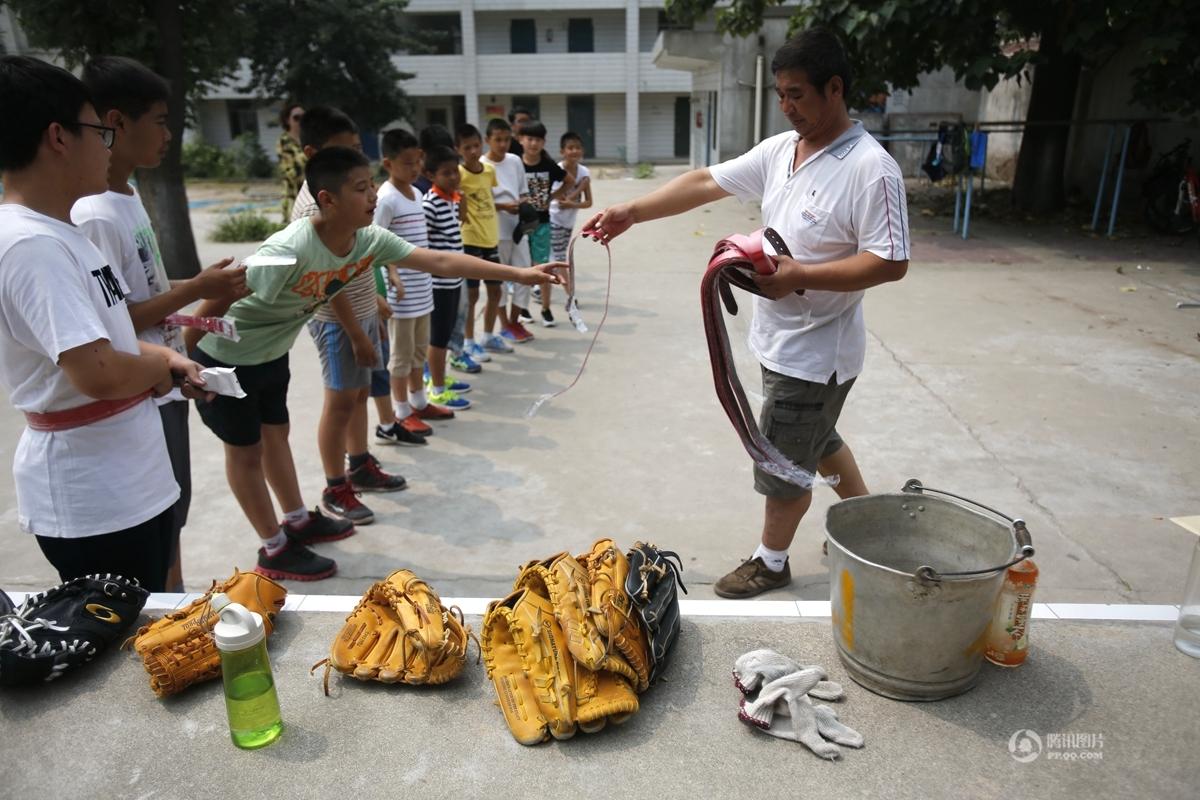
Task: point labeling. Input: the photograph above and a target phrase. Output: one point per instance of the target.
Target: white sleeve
(46, 300)
(383, 212)
(114, 243)
(881, 218)
(744, 177)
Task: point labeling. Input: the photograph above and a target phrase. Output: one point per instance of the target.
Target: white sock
(774, 559)
(418, 399)
(296, 517)
(402, 409)
(468, 343)
(439, 389)
(275, 543)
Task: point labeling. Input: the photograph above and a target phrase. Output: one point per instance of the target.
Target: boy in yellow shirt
(480, 232)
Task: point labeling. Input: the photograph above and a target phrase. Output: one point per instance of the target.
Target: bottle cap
(238, 627)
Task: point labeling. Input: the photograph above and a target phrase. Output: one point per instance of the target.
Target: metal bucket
(913, 582)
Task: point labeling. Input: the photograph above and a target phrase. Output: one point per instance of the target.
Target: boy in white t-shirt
(133, 100)
(92, 474)
(563, 212)
(510, 188)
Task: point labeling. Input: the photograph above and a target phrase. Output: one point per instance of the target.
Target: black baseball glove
(651, 586)
(59, 629)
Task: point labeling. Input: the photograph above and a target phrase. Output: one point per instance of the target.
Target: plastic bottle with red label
(1008, 638)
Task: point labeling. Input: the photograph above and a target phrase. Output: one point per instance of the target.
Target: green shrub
(643, 170)
(249, 159)
(246, 227)
(201, 160)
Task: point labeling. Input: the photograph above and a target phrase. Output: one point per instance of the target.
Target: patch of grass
(643, 170)
(245, 228)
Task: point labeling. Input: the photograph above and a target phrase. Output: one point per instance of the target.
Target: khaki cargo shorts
(800, 418)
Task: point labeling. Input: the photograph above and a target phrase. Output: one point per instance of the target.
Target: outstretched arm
(690, 190)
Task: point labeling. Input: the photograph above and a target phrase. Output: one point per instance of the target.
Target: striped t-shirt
(444, 229)
(361, 289)
(406, 218)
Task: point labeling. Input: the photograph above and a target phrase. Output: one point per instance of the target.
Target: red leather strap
(79, 416)
(733, 261)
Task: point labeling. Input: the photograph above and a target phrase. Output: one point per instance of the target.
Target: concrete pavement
(1018, 368)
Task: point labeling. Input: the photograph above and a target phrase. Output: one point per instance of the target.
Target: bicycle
(1172, 192)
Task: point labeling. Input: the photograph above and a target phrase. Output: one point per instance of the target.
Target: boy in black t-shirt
(541, 173)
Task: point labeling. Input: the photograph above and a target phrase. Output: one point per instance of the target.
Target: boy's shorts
(539, 244)
(560, 237)
(799, 417)
(491, 254)
(381, 379)
(238, 421)
(339, 371)
(516, 254)
(179, 449)
(445, 314)
(410, 344)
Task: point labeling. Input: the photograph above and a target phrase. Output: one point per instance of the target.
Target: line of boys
(94, 479)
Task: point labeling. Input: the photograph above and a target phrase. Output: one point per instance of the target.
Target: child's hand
(542, 274)
(185, 374)
(385, 311)
(218, 281)
(364, 349)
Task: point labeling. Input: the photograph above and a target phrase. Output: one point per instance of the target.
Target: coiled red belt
(734, 260)
(82, 415)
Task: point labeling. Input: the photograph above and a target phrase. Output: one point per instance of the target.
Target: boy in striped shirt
(444, 229)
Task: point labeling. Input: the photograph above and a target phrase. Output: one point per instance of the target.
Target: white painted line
(1102, 611)
(294, 601)
(471, 606)
(737, 608)
(1042, 611)
(166, 601)
(813, 608)
(340, 603)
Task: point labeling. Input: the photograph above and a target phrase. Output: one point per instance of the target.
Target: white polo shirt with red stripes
(846, 199)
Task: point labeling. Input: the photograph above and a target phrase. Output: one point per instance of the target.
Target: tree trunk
(163, 189)
(1039, 183)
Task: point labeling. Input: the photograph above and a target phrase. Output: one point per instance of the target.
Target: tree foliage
(892, 42)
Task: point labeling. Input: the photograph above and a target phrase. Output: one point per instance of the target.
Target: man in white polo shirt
(837, 199)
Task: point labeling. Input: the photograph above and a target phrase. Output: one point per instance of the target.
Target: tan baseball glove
(610, 609)
(177, 649)
(400, 633)
(563, 581)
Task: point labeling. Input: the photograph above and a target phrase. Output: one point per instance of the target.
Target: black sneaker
(397, 434)
(295, 562)
(752, 578)
(342, 501)
(319, 528)
(370, 477)
(523, 315)
(547, 319)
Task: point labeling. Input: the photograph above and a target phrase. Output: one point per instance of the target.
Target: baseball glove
(59, 629)
(564, 582)
(400, 633)
(610, 609)
(650, 585)
(177, 649)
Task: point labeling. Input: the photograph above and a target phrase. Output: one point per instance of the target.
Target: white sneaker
(475, 351)
(495, 343)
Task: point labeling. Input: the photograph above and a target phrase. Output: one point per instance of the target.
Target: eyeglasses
(107, 135)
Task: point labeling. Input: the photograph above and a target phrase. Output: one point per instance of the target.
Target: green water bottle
(250, 698)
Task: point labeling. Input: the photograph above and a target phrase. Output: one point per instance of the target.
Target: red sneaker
(434, 412)
(412, 423)
(516, 332)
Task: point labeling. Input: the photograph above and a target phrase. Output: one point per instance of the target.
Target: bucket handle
(1020, 533)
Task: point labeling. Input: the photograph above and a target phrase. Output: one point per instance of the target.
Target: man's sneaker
(536, 291)
(523, 315)
(496, 343)
(294, 562)
(342, 501)
(432, 411)
(475, 350)
(370, 477)
(458, 387)
(752, 578)
(464, 363)
(516, 333)
(547, 319)
(319, 528)
(397, 434)
(450, 399)
(412, 423)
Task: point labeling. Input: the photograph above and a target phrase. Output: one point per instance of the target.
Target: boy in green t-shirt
(330, 249)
